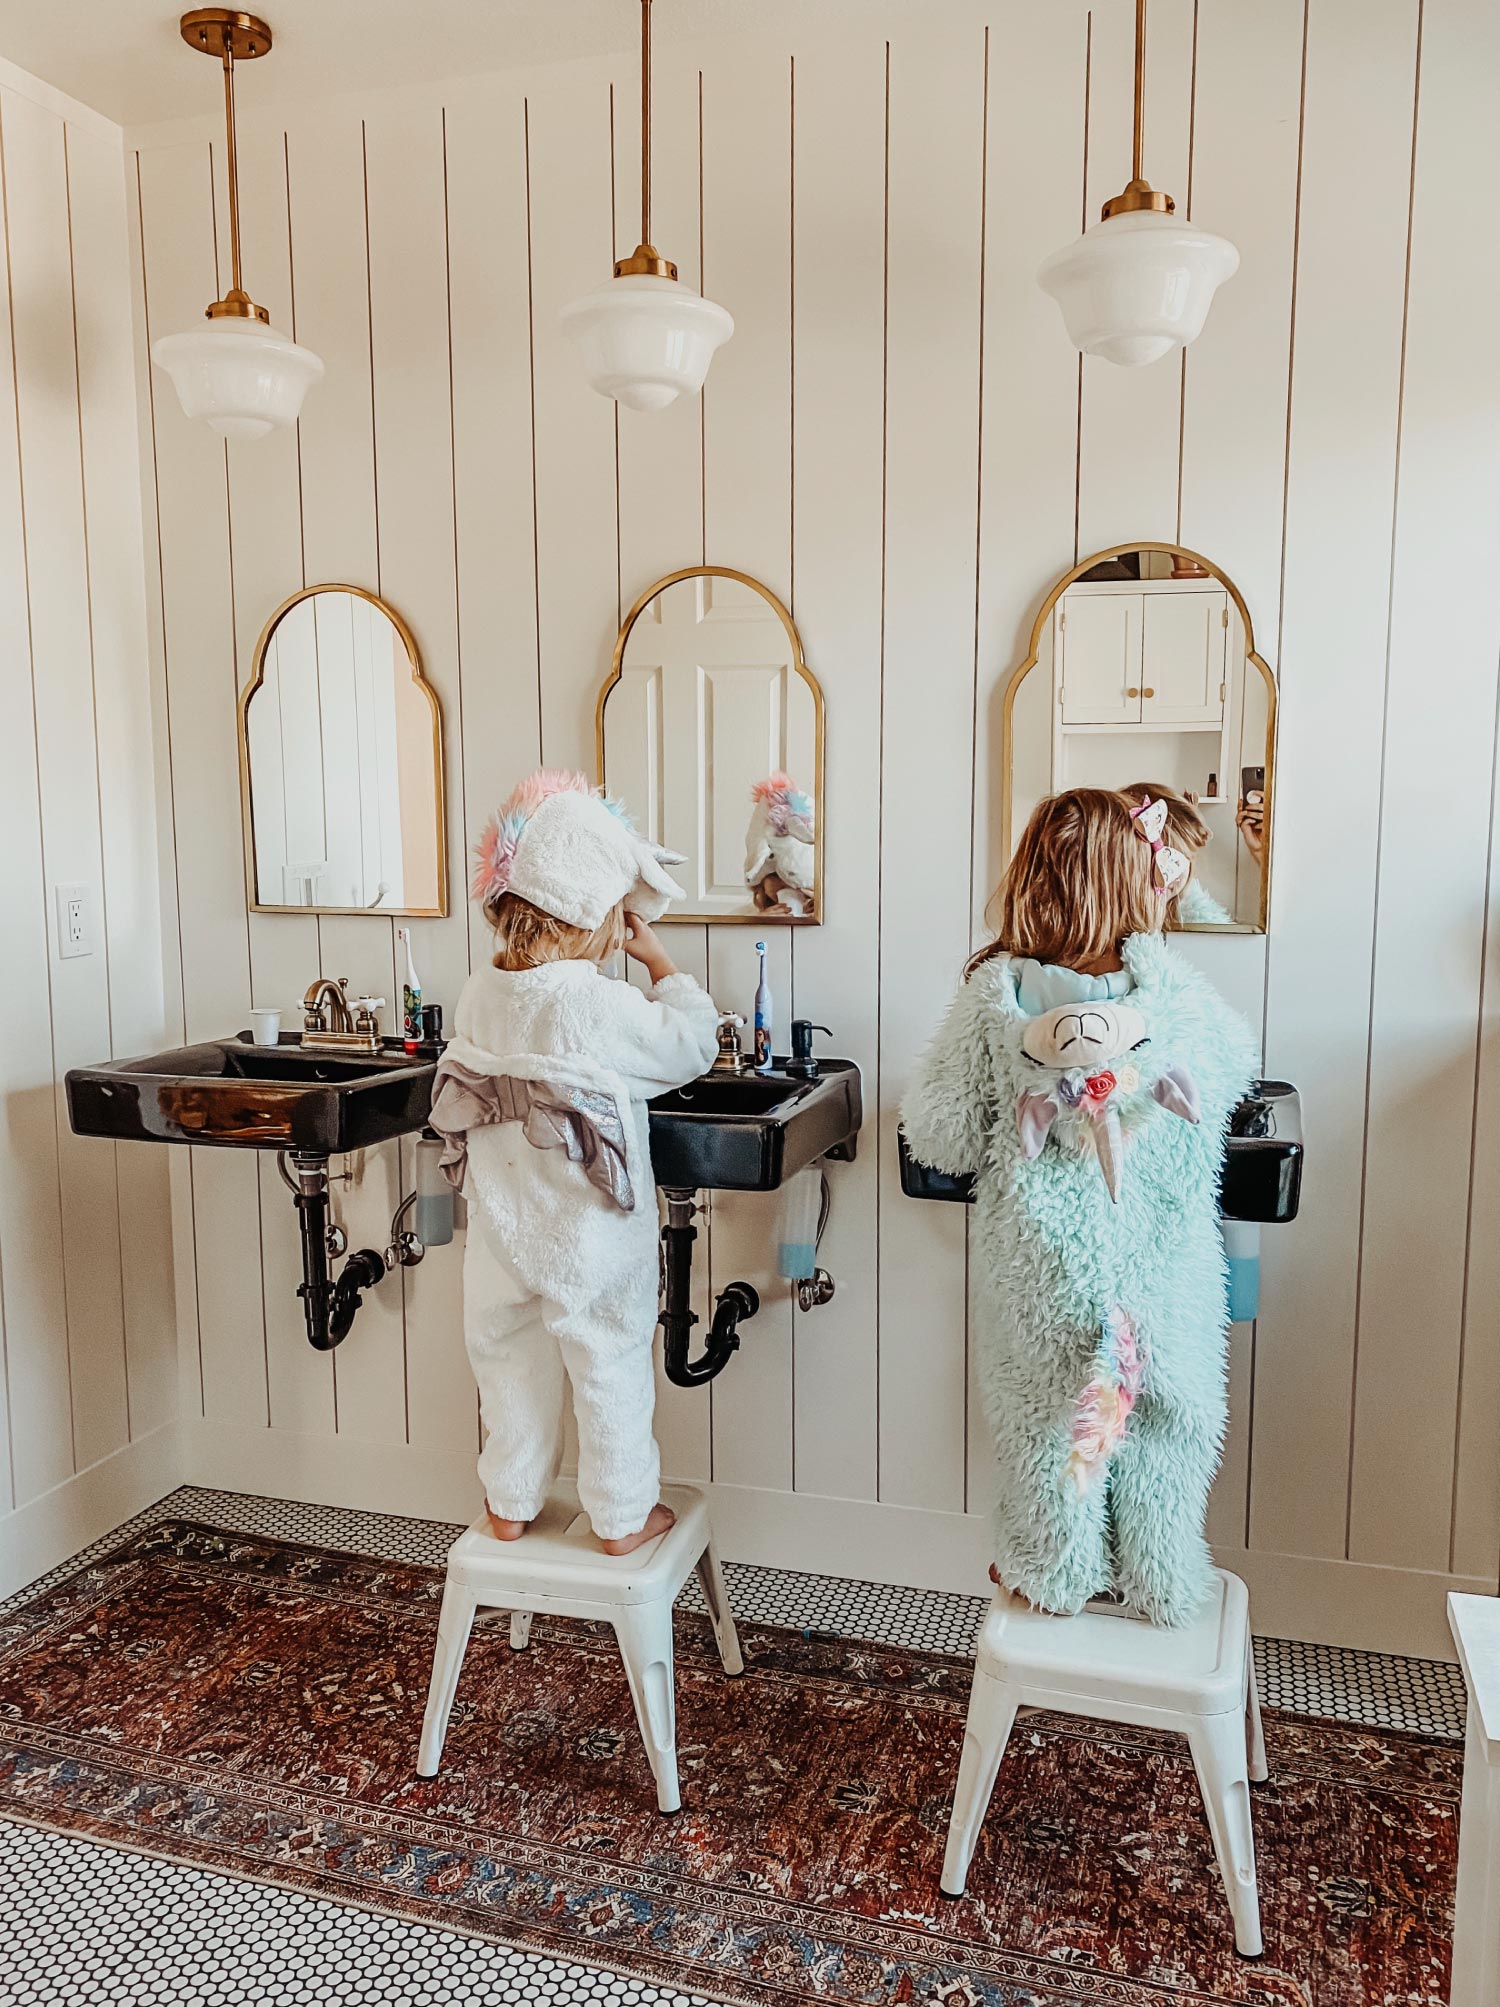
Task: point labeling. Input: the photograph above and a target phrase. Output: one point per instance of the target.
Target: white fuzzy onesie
(559, 1281)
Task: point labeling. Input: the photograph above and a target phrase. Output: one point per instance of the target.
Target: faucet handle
(731, 1017)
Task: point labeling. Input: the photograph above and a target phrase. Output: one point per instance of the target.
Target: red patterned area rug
(252, 1705)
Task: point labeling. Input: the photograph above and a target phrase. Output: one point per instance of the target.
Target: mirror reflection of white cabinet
(1152, 654)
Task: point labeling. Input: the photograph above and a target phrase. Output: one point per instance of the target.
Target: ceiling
(124, 57)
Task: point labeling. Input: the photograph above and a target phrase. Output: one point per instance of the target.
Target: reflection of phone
(1252, 781)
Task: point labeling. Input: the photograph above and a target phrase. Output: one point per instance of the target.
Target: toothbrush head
(760, 947)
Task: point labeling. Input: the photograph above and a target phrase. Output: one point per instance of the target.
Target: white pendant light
(644, 337)
(237, 374)
(1139, 283)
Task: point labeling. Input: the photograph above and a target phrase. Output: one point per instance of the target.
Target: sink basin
(231, 1094)
(1262, 1180)
(750, 1132)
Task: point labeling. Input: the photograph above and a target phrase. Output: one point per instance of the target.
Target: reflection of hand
(643, 946)
(1250, 821)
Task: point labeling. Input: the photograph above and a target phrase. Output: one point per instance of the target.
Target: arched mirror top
(341, 762)
(1142, 671)
(710, 729)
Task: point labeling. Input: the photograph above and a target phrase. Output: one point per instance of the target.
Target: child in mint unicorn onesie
(541, 1099)
(1086, 1073)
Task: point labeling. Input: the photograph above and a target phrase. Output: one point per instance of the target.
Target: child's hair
(1079, 882)
(525, 936)
(1185, 830)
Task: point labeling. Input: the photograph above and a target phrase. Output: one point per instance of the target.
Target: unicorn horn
(1109, 1147)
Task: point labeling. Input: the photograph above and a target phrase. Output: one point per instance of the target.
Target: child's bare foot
(658, 1519)
(505, 1529)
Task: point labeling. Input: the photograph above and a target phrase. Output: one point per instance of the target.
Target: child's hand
(642, 945)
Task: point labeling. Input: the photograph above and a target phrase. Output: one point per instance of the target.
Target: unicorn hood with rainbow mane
(563, 845)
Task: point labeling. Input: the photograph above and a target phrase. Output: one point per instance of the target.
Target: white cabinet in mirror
(341, 762)
(710, 731)
(1142, 674)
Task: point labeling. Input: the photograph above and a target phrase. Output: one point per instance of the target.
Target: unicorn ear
(1036, 1111)
(1177, 1091)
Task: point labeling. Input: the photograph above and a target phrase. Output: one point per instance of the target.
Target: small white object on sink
(265, 1026)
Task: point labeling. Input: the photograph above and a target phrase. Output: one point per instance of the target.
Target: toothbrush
(763, 1014)
(411, 998)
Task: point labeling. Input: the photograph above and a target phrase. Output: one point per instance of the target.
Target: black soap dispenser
(802, 1064)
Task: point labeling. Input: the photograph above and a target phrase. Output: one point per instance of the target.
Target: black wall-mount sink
(750, 1132)
(1262, 1177)
(229, 1094)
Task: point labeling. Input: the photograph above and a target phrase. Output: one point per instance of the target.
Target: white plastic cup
(265, 1026)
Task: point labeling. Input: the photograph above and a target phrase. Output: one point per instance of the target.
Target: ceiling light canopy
(237, 373)
(1139, 283)
(644, 337)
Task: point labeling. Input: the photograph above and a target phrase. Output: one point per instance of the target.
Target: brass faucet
(730, 1057)
(329, 1022)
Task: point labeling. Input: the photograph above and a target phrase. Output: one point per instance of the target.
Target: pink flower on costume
(1104, 1407)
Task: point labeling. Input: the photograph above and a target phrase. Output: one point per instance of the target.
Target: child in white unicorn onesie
(541, 1099)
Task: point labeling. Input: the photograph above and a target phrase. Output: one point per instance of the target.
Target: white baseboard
(72, 1515)
(1292, 1596)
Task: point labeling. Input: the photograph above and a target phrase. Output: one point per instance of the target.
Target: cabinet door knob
(1132, 691)
(1148, 691)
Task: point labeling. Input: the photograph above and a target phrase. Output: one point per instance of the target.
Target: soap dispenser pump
(802, 1062)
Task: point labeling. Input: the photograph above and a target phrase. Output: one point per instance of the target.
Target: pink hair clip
(1171, 866)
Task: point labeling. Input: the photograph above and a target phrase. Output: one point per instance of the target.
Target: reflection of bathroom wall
(88, 1345)
(839, 454)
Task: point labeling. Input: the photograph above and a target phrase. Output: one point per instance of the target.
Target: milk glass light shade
(1137, 285)
(645, 341)
(237, 374)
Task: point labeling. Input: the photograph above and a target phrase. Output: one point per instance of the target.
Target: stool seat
(1109, 1654)
(558, 1567)
(559, 1563)
(1111, 1665)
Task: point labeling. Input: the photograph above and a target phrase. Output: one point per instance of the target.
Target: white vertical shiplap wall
(899, 441)
(87, 1318)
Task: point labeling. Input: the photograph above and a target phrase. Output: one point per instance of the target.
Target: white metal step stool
(559, 1569)
(1110, 1665)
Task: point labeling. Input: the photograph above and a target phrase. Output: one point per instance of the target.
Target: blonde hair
(1185, 830)
(526, 937)
(1078, 884)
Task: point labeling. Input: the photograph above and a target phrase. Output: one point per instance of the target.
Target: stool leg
(1260, 1770)
(455, 1620)
(520, 1630)
(1219, 1757)
(711, 1579)
(992, 1713)
(644, 1631)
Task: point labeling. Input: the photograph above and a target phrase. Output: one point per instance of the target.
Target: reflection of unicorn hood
(560, 844)
(781, 835)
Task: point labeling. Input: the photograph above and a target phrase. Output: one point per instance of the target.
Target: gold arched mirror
(1142, 672)
(710, 731)
(341, 762)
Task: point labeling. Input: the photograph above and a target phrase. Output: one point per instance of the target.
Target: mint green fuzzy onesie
(1102, 1322)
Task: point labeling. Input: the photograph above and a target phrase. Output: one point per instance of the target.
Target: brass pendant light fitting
(231, 37)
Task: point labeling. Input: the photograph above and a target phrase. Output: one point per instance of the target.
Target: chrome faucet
(330, 1021)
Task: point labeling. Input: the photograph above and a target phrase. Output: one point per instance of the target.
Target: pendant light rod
(645, 261)
(645, 121)
(1138, 192)
(233, 37)
(234, 168)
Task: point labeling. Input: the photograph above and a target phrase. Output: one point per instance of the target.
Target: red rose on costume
(1099, 1086)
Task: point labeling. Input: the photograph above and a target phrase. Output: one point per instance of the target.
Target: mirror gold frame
(257, 677)
(799, 663)
(1033, 654)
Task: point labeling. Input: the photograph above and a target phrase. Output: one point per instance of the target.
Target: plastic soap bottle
(763, 1015)
(411, 997)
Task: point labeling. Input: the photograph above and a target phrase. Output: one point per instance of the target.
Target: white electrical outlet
(75, 921)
